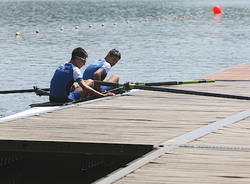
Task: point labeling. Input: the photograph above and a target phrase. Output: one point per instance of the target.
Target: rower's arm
(84, 86)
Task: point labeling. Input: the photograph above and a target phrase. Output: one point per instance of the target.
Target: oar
(131, 84)
(117, 85)
(148, 86)
(22, 91)
(190, 92)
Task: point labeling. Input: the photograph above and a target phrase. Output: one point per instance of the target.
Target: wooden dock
(175, 138)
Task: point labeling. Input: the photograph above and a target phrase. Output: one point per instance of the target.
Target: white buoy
(37, 32)
(61, 28)
(90, 26)
(77, 27)
(102, 24)
(18, 34)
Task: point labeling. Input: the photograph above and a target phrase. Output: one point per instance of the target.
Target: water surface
(160, 40)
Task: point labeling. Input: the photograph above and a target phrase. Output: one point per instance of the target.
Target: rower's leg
(113, 78)
(84, 93)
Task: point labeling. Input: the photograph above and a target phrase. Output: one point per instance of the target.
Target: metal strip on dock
(220, 148)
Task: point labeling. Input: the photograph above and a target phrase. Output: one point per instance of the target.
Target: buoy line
(108, 25)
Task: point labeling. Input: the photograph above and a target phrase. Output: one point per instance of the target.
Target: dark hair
(79, 52)
(115, 53)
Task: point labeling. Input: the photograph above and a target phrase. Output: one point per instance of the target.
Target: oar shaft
(131, 84)
(171, 90)
(104, 83)
(196, 81)
(21, 91)
(17, 91)
(177, 82)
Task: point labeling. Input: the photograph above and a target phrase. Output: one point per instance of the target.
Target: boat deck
(192, 138)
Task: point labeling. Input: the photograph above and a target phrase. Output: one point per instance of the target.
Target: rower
(99, 69)
(66, 74)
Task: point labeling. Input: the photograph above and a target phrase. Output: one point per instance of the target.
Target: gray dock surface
(142, 117)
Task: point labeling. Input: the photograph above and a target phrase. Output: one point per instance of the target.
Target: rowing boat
(45, 107)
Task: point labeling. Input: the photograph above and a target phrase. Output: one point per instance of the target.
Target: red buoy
(217, 10)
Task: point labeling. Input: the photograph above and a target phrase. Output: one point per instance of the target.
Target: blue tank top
(93, 67)
(64, 77)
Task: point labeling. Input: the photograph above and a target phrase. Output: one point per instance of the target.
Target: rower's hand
(109, 94)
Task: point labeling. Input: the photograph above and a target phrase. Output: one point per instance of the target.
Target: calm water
(160, 40)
